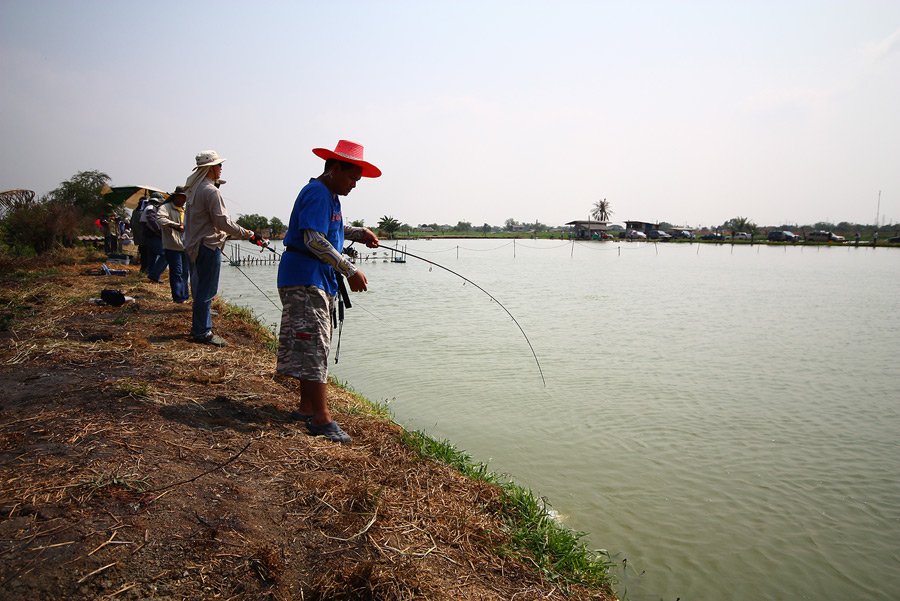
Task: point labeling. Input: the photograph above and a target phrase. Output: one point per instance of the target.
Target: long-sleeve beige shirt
(170, 218)
(206, 220)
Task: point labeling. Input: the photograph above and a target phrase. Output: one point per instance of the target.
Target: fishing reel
(351, 252)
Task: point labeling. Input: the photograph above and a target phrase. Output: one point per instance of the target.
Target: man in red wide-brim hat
(309, 276)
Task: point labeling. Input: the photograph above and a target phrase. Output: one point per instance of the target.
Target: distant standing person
(156, 258)
(170, 218)
(120, 229)
(308, 280)
(206, 229)
(110, 234)
(137, 232)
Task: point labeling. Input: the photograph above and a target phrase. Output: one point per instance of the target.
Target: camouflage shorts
(305, 337)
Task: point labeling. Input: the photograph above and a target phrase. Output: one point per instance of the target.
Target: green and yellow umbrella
(128, 196)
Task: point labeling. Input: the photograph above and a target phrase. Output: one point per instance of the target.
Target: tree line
(389, 226)
(30, 225)
(258, 223)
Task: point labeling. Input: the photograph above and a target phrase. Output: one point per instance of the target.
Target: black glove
(257, 240)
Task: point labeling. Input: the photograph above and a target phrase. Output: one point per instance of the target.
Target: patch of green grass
(444, 452)
(343, 385)
(246, 314)
(367, 407)
(558, 551)
(25, 275)
(271, 342)
(118, 481)
(372, 409)
(238, 312)
(133, 388)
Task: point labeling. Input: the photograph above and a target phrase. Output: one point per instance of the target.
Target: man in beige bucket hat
(207, 226)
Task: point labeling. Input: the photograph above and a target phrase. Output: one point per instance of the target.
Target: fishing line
(257, 287)
(249, 279)
(464, 278)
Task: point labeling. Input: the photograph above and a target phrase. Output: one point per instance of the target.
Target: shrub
(33, 227)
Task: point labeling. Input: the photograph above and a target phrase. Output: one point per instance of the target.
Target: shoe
(301, 417)
(331, 431)
(211, 339)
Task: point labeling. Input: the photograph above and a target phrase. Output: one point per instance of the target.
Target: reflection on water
(726, 419)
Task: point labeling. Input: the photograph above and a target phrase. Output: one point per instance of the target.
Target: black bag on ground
(113, 297)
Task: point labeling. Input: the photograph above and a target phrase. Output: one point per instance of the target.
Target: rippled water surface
(726, 419)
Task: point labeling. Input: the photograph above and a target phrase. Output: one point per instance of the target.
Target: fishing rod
(491, 296)
(257, 287)
(267, 247)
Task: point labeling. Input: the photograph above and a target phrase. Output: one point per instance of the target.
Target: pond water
(726, 419)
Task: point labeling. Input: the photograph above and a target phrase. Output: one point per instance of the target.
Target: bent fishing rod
(465, 279)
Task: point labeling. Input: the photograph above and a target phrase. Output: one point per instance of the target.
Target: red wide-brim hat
(349, 152)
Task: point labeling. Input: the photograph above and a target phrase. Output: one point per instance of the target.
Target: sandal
(331, 431)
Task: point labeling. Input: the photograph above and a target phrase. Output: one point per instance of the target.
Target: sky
(690, 112)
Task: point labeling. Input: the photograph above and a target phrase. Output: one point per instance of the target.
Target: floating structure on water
(398, 257)
(239, 258)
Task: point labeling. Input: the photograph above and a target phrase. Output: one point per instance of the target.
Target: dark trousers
(179, 274)
(142, 256)
(156, 259)
(205, 285)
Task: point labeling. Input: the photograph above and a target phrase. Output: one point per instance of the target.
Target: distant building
(587, 230)
(641, 226)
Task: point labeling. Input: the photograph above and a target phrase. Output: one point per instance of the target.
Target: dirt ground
(136, 464)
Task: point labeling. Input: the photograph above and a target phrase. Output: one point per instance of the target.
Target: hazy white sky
(683, 111)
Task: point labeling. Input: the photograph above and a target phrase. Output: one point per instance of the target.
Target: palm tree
(601, 211)
(389, 225)
(753, 229)
(739, 224)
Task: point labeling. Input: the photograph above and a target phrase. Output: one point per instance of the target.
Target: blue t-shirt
(315, 209)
